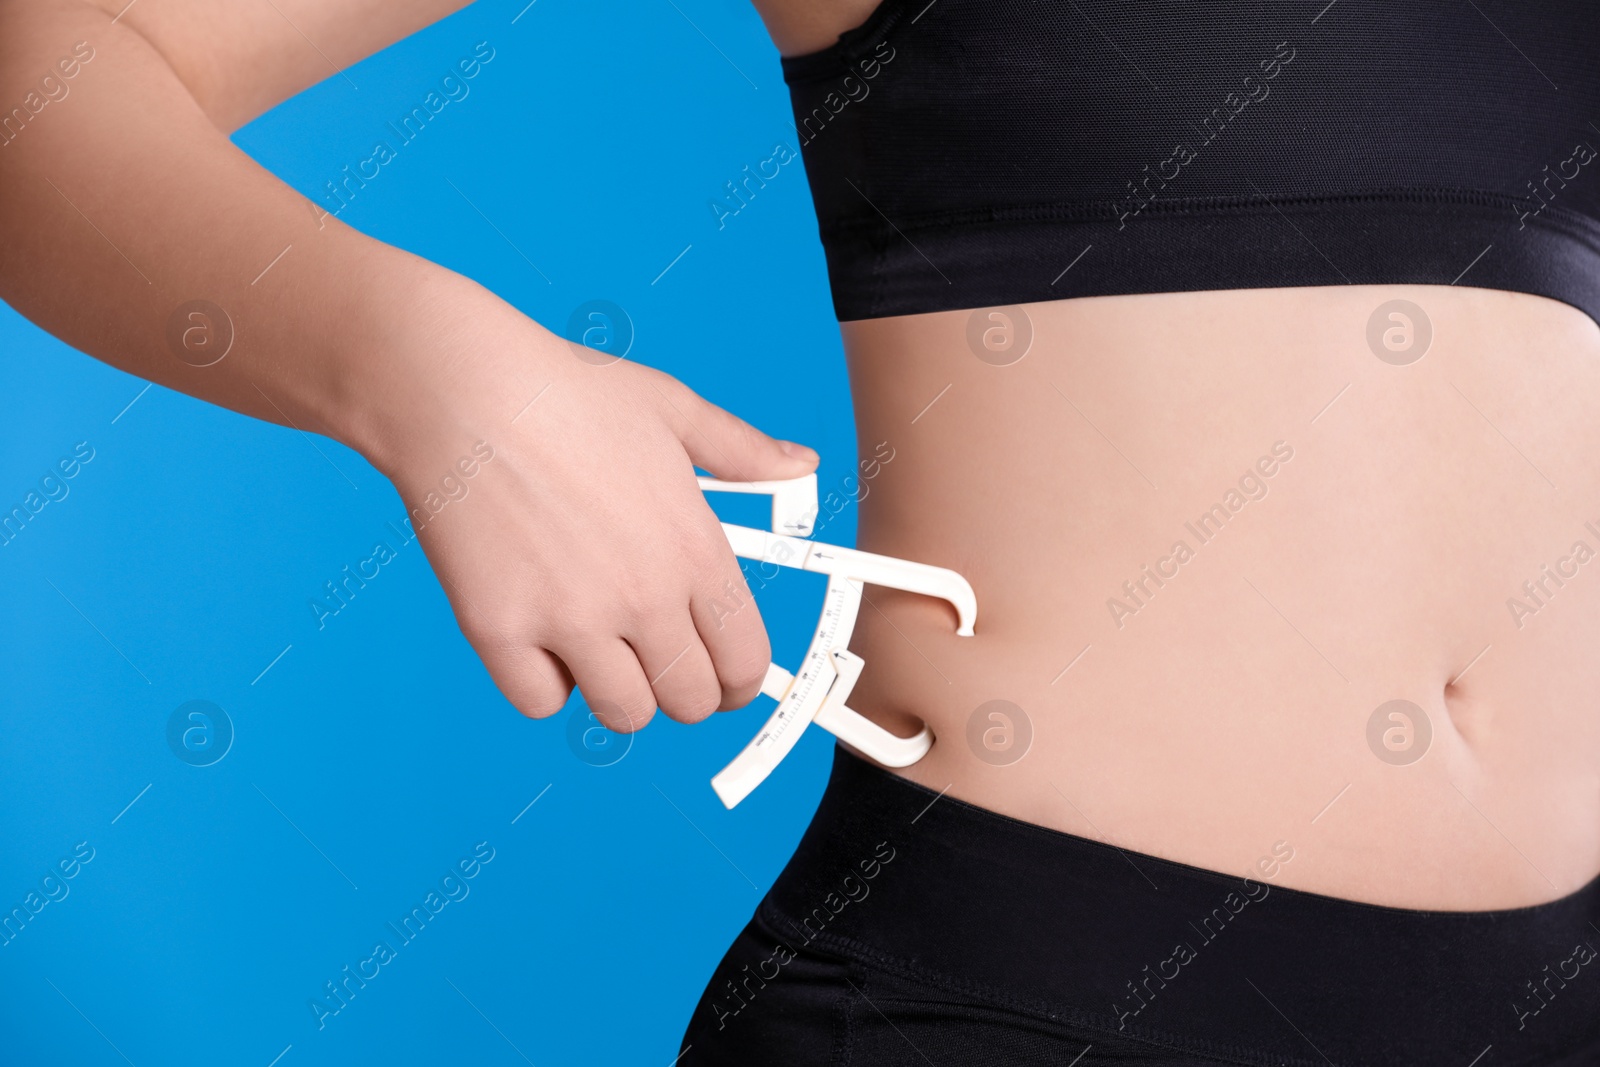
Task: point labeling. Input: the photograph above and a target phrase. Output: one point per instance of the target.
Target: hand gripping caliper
(818, 690)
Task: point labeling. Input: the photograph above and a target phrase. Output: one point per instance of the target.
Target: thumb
(732, 449)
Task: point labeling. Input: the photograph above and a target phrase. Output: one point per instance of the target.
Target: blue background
(376, 753)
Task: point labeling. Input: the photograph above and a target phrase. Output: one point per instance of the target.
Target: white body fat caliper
(818, 690)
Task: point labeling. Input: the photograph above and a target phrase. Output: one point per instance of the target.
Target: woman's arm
(238, 58)
(122, 203)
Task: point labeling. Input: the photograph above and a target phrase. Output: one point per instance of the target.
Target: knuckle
(582, 628)
(652, 385)
(744, 673)
(566, 614)
(730, 608)
(672, 387)
(642, 607)
(748, 650)
(481, 633)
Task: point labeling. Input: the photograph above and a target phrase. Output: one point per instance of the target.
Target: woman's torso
(1214, 534)
(1230, 707)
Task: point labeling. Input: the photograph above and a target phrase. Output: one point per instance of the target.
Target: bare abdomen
(1255, 577)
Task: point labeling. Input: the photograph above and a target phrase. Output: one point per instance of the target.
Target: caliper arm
(818, 690)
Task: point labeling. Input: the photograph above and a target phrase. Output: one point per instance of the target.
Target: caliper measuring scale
(818, 690)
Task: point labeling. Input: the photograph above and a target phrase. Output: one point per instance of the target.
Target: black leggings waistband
(952, 912)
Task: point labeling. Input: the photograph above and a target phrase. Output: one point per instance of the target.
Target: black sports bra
(971, 153)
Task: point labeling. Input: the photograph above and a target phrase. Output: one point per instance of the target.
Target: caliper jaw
(860, 732)
(829, 673)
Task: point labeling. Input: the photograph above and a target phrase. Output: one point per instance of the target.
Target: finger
(679, 671)
(536, 683)
(729, 447)
(735, 639)
(613, 683)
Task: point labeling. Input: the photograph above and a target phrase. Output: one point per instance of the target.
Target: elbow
(40, 61)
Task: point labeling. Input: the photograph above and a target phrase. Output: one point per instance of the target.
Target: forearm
(121, 204)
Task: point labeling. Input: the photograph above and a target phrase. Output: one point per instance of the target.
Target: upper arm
(801, 26)
(241, 57)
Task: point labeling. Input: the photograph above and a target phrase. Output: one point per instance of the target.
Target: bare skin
(1223, 715)
(1230, 710)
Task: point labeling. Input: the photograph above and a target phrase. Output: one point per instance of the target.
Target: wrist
(428, 367)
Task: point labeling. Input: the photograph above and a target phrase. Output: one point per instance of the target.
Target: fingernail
(797, 451)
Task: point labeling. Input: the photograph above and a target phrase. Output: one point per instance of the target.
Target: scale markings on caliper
(818, 668)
